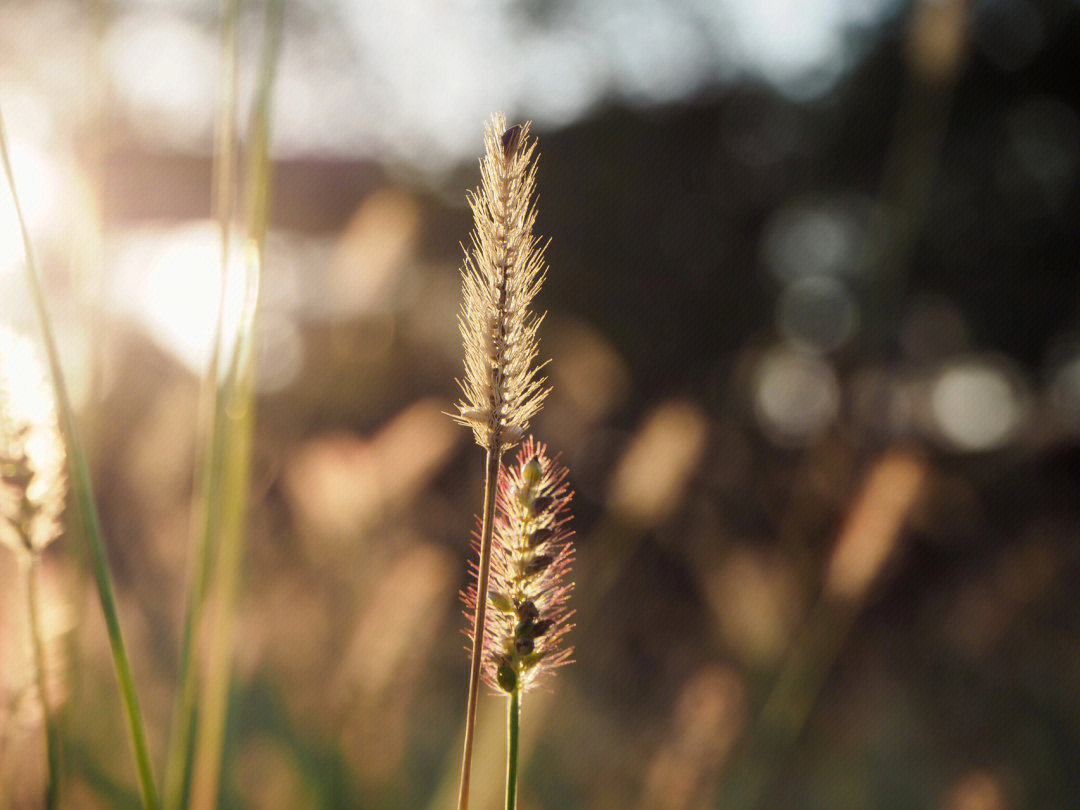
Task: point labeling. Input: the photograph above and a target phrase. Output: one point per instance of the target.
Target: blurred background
(815, 348)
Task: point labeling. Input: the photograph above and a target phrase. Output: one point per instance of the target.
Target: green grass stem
(86, 508)
(206, 514)
(234, 422)
(513, 735)
(491, 479)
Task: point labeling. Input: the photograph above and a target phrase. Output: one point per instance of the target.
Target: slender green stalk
(236, 419)
(213, 703)
(491, 479)
(207, 518)
(207, 511)
(513, 733)
(87, 510)
(29, 564)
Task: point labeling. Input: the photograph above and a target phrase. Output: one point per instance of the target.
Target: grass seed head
(503, 270)
(531, 555)
(31, 450)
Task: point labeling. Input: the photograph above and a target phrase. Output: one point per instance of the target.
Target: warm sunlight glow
(31, 451)
(25, 391)
(652, 475)
(170, 281)
(756, 599)
(977, 790)
(36, 183)
(341, 484)
(163, 69)
(873, 527)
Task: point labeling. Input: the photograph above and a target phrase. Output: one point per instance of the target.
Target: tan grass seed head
(31, 450)
(503, 270)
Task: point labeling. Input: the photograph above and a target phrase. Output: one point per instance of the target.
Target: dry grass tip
(31, 450)
(503, 270)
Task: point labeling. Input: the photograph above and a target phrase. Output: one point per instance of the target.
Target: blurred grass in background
(815, 350)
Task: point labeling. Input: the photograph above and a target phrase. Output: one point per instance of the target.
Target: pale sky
(413, 80)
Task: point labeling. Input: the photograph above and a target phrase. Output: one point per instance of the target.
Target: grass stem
(207, 510)
(213, 703)
(513, 734)
(491, 479)
(86, 508)
(236, 420)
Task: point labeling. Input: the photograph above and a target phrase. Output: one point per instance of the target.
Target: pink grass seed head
(531, 555)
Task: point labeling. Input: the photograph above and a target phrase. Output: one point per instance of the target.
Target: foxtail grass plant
(530, 561)
(502, 388)
(195, 756)
(86, 508)
(31, 501)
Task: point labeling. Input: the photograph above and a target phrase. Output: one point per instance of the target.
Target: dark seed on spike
(532, 630)
(527, 611)
(510, 140)
(537, 564)
(542, 504)
(524, 646)
(541, 536)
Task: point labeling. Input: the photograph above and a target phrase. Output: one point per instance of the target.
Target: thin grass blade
(86, 508)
